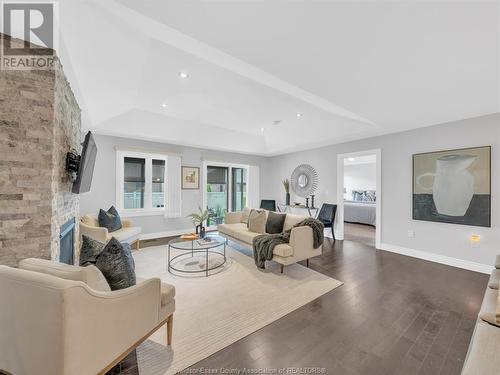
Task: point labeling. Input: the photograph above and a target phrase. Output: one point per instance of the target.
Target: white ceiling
(353, 69)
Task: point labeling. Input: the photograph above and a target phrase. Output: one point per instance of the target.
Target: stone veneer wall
(39, 123)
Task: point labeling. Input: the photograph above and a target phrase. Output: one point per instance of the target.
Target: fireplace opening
(67, 242)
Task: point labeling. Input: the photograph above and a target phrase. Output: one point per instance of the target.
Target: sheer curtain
(174, 197)
(253, 186)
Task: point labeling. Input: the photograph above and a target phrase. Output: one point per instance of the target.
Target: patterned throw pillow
(117, 265)
(110, 219)
(370, 196)
(90, 251)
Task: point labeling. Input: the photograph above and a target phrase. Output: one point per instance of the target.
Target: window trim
(148, 209)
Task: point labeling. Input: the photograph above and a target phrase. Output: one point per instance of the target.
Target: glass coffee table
(210, 247)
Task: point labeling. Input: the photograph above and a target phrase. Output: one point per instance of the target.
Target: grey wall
(104, 181)
(397, 149)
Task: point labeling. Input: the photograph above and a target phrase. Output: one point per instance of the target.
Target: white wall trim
(339, 223)
(442, 259)
(169, 233)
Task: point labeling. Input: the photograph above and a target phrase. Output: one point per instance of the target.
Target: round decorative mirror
(304, 180)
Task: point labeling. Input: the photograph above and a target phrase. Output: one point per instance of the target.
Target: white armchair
(66, 327)
(89, 226)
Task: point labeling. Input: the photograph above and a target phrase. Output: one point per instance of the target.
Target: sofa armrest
(96, 233)
(301, 240)
(111, 321)
(127, 223)
(233, 217)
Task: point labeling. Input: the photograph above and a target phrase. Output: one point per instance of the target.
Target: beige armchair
(89, 226)
(58, 319)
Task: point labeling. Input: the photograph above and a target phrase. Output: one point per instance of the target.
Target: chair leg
(333, 233)
(281, 268)
(307, 262)
(170, 324)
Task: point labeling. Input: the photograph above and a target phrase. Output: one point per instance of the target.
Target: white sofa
(301, 238)
(89, 226)
(482, 357)
(57, 319)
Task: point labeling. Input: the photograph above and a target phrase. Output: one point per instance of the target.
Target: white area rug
(216, 311)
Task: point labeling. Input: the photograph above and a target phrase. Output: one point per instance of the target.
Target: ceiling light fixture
(351, 159)
(299, 115)
(183, 75)
(262, 130)
(164, 105)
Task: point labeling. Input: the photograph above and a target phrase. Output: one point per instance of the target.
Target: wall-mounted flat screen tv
(86, 168)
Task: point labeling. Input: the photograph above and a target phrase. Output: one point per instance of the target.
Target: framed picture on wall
(190, 177)
(453, 186)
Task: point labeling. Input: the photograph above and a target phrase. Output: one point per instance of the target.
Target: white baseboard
(449, 261)
(170, 233)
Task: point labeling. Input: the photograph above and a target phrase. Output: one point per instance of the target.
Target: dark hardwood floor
(393, 315)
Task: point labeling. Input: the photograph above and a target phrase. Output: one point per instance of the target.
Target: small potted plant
(198, 219)
(286, 185)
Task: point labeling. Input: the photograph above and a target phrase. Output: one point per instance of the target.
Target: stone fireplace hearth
(39, 123)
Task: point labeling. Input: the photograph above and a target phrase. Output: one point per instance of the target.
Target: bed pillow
(110, 219)
(275, 222)
(117, 265)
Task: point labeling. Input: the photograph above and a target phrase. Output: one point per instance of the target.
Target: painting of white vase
(453, 186)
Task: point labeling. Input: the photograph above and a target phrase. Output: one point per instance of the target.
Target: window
(225, 190)
(141, 182)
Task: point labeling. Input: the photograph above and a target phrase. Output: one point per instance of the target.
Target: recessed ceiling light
(351, 159)
(299, 115)
(262, 130)
(183, 75)
(164, 105)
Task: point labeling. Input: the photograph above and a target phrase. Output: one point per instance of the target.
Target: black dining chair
(327, 216)
(268, 204)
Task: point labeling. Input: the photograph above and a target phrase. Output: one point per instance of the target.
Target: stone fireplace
(39, 123)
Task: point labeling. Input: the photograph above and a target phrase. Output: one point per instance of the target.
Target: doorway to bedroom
(359, 197)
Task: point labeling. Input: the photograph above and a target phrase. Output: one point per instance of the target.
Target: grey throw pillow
(110, 219)
(257, 221)
(117, 265)
(275, 222)
(90, 251)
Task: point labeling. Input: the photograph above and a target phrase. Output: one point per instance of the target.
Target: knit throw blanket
(264, 244)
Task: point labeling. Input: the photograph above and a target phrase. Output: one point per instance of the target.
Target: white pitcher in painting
(453, 186)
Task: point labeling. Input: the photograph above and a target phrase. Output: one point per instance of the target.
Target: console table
(289, 207)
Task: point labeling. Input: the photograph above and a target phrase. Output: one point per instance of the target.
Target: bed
(360, 211)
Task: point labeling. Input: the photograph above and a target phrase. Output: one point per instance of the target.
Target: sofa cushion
(490, 307)
(494, 279)
(483, 358)
(245, 235)
(257, 221)
(117, 265)
(90, 250)
(292, 219)
(167, 293)
(283, 250)
(275, 222)
(230, 229)
(125, 234)
(110, 219)
(245, 214)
